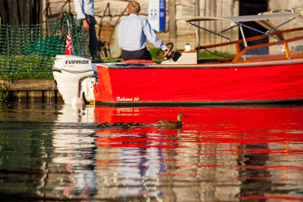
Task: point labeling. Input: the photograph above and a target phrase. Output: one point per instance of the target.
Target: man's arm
(80, 13)
(85, 24)
(152, 37)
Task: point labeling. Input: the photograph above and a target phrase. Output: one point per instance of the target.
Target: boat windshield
(275, 28)
(262, 19)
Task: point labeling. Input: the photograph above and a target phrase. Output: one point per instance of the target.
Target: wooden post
(172, 21)
(197, 13)
(43, 6)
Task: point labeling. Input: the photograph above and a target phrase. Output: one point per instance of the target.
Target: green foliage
(3, 93)
(25, 67)
(112, 59)
(215, 54)
(153, 52)
(202, 55)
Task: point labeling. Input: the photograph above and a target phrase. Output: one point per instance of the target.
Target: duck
(139, 124)
(171, 124)
(126, 126)
(118, 124)
(107, 124)
(102, 125)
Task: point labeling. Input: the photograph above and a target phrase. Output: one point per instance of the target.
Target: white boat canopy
(239, 21)
(247, 18)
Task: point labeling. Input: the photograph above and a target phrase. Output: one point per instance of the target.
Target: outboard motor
(75, 78)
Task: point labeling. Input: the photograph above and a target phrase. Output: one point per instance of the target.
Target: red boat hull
(158, 84)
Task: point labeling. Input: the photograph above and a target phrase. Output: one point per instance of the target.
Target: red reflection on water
(235, 125)
(127, 141)
(258, 147)
(235, 116)
(243, 125)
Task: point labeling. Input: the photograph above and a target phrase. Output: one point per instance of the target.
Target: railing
(283, 42)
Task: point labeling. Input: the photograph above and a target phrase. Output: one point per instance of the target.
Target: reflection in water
(224, 153)
(74, 145)
(255, 180)
(220, 154)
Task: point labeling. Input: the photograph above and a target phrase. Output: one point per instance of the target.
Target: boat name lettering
(71, 62)
(124, 99)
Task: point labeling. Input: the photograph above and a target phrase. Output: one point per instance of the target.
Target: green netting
(28, 51)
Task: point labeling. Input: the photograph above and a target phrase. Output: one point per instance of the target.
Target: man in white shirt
(133, 33)
(86, 13)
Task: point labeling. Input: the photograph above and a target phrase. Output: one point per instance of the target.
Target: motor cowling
(74, 77)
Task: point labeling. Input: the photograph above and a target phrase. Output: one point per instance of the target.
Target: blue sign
(162, 15)
(156, 14)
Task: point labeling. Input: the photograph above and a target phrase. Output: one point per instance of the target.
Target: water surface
(222, 153)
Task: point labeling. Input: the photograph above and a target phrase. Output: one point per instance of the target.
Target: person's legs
(93, 41)
(146, 55)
